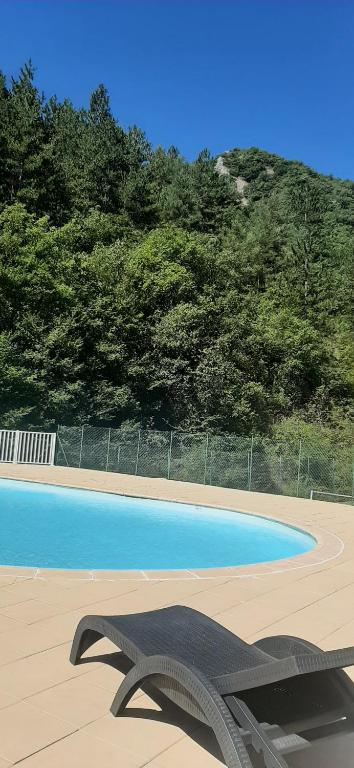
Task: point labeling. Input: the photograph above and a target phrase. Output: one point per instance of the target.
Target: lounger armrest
(283, 669)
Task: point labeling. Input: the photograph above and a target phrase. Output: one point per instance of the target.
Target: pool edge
(328, 545)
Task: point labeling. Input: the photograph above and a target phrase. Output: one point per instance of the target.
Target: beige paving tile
(76, 701)
(87, 593)
(37, 637)
(34, 588)
(15, 646)
(109, 679)
(150, 734)
(295, 576)
(56, 579)
(199, 751)
(328, 581)
(135, 602)
(29, 611)
(4, 763)
(341, 638)
(167, 592)
(66, 594)
(215, 599)
(65, 582)
(17, 573)
(25, 729)
(63, 625)
(272, 606)
(299, 625)
(347, 564)
(10, 597)
(37, 673)
(122, 575)
(6, 581)
(6, 624)
(251, 588)
(46, 633)
(65, 576)
(299, 605)
(105, 677)
(81, 751)
(6, 700)
(49, 591)
(180, 575)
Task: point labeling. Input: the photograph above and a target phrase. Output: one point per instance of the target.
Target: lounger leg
(216, 713)
(83, 639)
(259, 738)
(125, 692)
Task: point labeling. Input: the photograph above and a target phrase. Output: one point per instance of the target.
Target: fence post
(250, 465)
(16, 444)
(137, 453)
(108, 446)
(206, 458)
(81, 442)
(169, 453)
(299, 470)
(53, 440)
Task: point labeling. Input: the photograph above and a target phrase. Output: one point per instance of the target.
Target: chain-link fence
(254, 464)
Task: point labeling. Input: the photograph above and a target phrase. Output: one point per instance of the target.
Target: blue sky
(274, 74)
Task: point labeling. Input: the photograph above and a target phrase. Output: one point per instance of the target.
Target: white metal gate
(19, 447)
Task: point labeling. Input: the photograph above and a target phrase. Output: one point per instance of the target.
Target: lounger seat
(262, 701)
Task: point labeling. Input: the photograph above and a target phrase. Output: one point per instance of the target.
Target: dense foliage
(137, 287)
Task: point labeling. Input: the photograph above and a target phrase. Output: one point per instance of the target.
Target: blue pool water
(51, 527)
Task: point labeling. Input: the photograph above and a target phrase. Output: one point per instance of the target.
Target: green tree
(137, 287)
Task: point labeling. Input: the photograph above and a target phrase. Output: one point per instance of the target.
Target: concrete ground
(53, 714)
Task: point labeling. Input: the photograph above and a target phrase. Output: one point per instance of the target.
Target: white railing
(19, 447)
(314, 493)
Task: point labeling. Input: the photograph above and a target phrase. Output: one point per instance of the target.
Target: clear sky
(277, 74)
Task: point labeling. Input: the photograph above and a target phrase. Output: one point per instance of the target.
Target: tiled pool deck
(53, 714)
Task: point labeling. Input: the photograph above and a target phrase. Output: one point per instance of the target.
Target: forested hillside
(137, 287)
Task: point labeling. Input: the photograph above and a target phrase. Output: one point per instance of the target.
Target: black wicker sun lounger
(262, 701)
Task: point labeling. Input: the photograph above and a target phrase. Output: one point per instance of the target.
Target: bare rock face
(240, 183)
(269, 170)
(221, 168)
(241, 186)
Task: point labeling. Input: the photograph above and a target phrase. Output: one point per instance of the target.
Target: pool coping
(328, 546)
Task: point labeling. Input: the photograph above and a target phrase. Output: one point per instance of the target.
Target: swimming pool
(46, 526)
